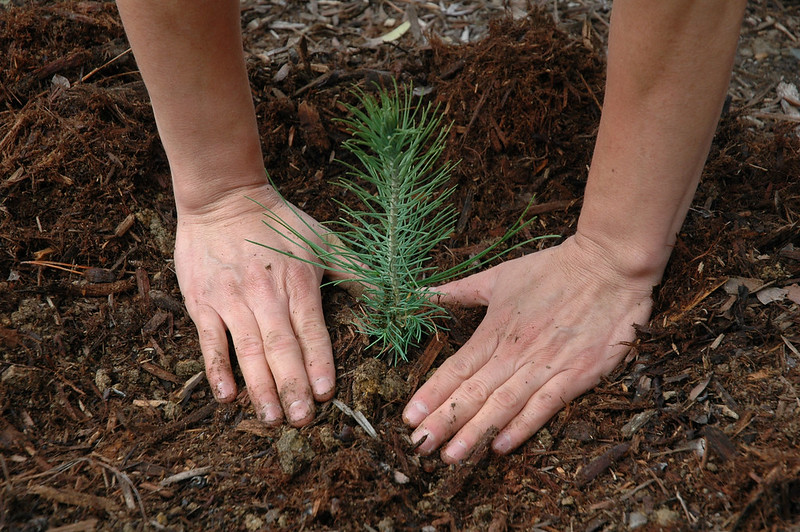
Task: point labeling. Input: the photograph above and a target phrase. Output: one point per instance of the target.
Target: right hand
(270, 303)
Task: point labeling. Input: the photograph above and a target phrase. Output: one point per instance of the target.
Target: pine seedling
(403, 214)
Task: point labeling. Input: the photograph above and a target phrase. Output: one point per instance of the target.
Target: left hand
(557, 320)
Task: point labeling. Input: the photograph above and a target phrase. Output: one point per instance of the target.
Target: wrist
(641, 262)
(215, 170)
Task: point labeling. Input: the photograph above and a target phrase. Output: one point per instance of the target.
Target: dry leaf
(793, 293)
(733, 284)
(697, 390)
(768, 295)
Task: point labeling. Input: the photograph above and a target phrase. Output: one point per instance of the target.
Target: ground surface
(101, 404)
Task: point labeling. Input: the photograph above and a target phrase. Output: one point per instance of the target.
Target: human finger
(428, 405)
(308, 323)
(214, 347)
(499, 407)
(472, 291)
(256, 371)
(282, 353)
(542, 405)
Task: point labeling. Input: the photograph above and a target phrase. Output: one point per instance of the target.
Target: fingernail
(426, 446)
(502, 444)
(456, 451)
(223, 391)
(415, 413)
(298, 410)
(322, 386)
(271, 413)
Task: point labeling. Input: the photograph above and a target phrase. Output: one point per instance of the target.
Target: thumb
(470, 291)
(349, 281)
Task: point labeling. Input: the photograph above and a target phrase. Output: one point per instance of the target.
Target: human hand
(556, 321)
(270, 303)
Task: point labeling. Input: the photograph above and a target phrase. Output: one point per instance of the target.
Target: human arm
(191, 58)
(559, 319)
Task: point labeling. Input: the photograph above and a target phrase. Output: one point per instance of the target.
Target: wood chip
(189, 386)
(155, 322)
(185, 475)
(159, 372)
(453, 483)
(637, 422)
(732, 285)
(124, 225)
(254, 427)
(719, 443)
(87, 525)
(75, 498)
(793, 293)
(770, 295)
(597, 466)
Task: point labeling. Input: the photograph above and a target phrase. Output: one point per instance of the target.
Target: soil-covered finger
(284, 356)
(249, 348)
(214, 347)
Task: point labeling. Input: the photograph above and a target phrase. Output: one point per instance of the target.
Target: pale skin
(557, 320)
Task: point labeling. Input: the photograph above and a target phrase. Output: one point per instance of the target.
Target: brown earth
(101, 405)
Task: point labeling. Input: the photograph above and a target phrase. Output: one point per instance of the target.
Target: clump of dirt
(100, 407)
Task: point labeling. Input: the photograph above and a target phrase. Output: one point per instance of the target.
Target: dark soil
(100, 403)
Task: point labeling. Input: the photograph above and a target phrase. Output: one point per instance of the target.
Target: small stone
(666, 517)
(294, 451)
(393, 387)
(102, 378)
(253, 522)
(482, 513)
(400, 477)
(367, 383)
(711, 466)
(386, 525)
(272, 515)
(327, 438)
(161, 519)
(17, 377)
(544, 438)
(29, 311)
(188, 368)
(568, 501)
(636, 520)
(172, 410)
(283, 521)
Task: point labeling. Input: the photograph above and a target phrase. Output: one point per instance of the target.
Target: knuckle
(248, 347)
(475, 391)
(280, 342)
(507, 397)
(299, 279)
(212, 340)
(461, 367)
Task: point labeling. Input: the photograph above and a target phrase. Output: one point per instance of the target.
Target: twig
(689, 516)
(185, 475)
(98, 69)
(658, 481)
(638, 488)
(358, 416)
(591, 92)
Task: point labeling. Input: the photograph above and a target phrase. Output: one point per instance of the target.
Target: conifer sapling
(403, 213)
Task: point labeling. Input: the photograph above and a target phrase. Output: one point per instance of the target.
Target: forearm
(190, 56)
(669, 66)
